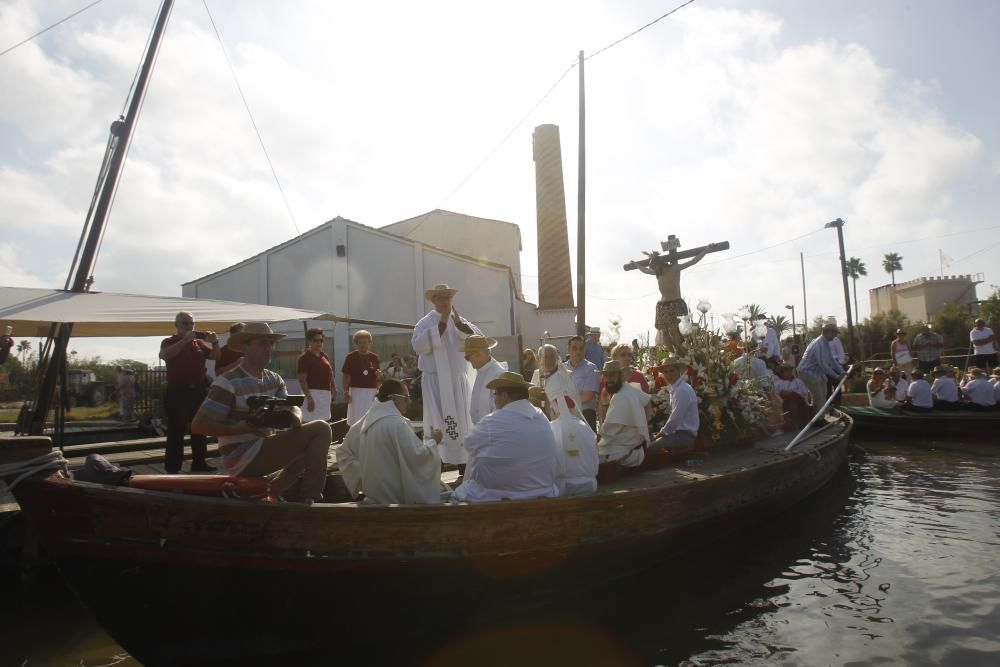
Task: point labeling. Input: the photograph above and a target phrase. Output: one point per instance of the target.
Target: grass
(105, 411)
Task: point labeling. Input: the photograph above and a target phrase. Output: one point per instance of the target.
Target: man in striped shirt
(249, 450)
(817, 364)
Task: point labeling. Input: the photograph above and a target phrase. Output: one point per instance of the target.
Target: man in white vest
(446, 379)
(477, 353)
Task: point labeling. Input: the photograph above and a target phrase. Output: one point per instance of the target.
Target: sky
(748, 121)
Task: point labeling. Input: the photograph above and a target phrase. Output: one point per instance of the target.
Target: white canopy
(31, 311)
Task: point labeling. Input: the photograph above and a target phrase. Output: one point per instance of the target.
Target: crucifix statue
(667, 269)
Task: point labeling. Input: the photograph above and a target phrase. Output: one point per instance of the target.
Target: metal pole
(805, 308)
(581, 217)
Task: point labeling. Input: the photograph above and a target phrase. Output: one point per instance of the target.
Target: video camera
(263, 412)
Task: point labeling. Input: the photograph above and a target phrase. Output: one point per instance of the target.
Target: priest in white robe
(512, 451)
(477, 353)
(383, 457)
(552, 376)
(625, 428)
(446, 379)
(576, 443)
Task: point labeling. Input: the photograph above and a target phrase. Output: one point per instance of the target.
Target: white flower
(684, 324)
(760, 330)
(744, 314)
(704, 306)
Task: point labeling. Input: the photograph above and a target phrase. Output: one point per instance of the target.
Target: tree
(892, 262)
(855, 269)
(756, 311)
(989, 310)
(23, 348)
(781, 324)
(953, 323)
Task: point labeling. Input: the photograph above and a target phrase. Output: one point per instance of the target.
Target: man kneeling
(512, 451)
(383, 457)
(255, 451)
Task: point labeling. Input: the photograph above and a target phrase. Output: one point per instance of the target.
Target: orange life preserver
(216, 486)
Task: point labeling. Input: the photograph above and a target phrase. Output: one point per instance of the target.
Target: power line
(45, 30)
(246, 106)
(636, 32)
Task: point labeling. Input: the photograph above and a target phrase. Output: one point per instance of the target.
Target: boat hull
(180, 580)
(958, 424)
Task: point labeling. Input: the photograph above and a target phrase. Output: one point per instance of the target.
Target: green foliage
(855, 269)
(781, 324)
(756, 311)
(989, 310)
(876, 333)
(953, 323)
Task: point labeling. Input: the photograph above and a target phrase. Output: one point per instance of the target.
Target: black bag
(99, 470)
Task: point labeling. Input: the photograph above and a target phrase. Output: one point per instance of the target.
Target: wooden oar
(822, 411)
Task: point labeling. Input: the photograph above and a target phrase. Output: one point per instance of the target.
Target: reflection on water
(894, 563)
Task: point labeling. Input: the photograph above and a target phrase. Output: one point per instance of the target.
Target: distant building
(921, 299)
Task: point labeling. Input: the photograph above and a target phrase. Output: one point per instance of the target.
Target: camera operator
(253, 451)
(187, 384)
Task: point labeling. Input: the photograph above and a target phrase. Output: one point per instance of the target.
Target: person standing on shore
(185, 353)
(983, 345)
(315, 375)
(928, 346)
(360, 374)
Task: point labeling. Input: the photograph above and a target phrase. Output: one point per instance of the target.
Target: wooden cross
(670, 246)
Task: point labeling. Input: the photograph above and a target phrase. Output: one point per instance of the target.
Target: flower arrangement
(730, 408)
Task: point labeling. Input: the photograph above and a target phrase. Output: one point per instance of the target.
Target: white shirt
(772, 348)
(980, 391)
(758, 369)
(837, 350)
(920, 394)
(512, 455)
(625, 427)
(985, 334)
(482, 398)
(795, 385)
(945, 389)
(683, 409)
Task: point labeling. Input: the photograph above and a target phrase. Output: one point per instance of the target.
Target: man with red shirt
(184, 354)
(229, 357)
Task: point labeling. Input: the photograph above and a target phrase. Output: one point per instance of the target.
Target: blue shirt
(586, 377)
(818, 360)
(594, 353)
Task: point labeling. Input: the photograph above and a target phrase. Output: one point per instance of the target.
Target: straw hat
(508, 380)
(254, 330)
(440, 288)
(940, 369)
(536, 395)
(477, 343)
(673, 361)
(612, 367)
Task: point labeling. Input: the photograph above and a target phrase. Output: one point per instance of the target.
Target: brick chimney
(555, 281)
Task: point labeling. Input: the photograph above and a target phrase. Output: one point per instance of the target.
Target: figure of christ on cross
(667, 269)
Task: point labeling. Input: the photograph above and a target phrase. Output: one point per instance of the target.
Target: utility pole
(838, 224)
(805, 308)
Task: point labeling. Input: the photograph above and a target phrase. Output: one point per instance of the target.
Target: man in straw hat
(818, 364)
(624, 430)
(682, 426)
(249, 450)
(477, 352)
(594, 353)
(446, 382)
(945, 389)
(512, 451)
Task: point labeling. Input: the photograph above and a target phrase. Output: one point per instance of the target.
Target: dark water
(895, 563)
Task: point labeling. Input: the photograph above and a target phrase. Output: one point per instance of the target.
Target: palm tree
(22, 349)
(781, 324)
(855, 269)
(892, 263)
(756, 311)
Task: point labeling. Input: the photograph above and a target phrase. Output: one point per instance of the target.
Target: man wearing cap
(817, 365)
(512, 451)
(945, 389)
(593, 351)
(445, 382)
(983, 345)
(625, 428)
(383, 457)
(587, 378)
(477, 352)
(979, 391)
(249, 450)
(681, 428)
(928, 346)
(185, 353)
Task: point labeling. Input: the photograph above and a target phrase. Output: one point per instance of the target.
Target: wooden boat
(182, 580)
(958, 424)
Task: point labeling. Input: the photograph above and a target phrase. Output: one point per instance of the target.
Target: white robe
(578, 462)
(625, 427)
(482, 398)
(383, 457)
(559, 386)
(445, 383)
(513, 455)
